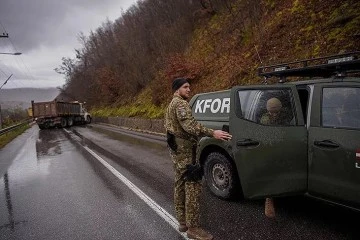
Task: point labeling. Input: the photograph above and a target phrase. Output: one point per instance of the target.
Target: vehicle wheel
(88, 119)
(70, 122)
(44, 126)
(63, 122)
(221, 176)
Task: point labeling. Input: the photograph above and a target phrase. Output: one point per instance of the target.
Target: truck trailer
(59, 114)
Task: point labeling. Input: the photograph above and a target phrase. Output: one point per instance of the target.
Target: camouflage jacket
(180, 122)
(280, 119)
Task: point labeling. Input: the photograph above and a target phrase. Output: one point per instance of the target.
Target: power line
(27, 73)
(3, 72)
(3, 28)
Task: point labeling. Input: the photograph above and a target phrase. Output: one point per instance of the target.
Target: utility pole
(6, 81)
(3, 35)
(0, 118)
(0, 103)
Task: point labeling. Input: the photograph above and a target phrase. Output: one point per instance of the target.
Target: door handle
(326, 143)
(246, 143)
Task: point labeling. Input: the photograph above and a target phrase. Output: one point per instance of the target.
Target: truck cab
(84, 113)
(311, 148)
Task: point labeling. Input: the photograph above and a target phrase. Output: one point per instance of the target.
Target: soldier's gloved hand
(219, 134)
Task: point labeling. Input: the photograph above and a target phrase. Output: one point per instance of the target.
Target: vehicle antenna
(258, 54)
(265, 78)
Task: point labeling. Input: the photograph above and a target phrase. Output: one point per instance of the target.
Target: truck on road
(314, 150)
(59, 114)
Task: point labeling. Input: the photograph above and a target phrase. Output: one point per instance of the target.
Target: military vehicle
(59, 114)
(314, 150)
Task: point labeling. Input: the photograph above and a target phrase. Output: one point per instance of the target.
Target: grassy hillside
(227, 47)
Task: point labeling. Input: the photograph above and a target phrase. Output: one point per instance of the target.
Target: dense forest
(125, 67)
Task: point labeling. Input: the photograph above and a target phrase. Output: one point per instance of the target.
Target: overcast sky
(44, 31)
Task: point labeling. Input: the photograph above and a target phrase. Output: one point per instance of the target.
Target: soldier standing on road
(183, 131)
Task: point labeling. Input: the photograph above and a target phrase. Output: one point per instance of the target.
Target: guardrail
(8, 129)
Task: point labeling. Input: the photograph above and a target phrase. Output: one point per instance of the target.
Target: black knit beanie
(178, 82)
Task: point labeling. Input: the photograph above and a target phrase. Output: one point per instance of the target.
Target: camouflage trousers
(186, 194)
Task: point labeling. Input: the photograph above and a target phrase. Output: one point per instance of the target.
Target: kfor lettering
(215, 105)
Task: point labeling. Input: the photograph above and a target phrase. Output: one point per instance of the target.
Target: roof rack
(335, 65)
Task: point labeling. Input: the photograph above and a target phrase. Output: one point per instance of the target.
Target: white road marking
(151, 203)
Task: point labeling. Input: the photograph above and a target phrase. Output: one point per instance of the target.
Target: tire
(44, 126)
(88, 120)
(63, 122)
(221, 177)
(70, 122)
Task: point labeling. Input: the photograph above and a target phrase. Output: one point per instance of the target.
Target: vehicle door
(271, 158)
(334, 142)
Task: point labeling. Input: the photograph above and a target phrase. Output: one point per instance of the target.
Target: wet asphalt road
(53, 188)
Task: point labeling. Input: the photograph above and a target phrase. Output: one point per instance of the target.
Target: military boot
(269, 208)
(198, 234)
(182, 227)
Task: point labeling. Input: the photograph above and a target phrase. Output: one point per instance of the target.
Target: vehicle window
(341, 107)
(267, 107)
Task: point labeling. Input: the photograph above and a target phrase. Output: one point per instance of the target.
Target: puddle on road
(34, 157)
(46, 145)
(29, 166)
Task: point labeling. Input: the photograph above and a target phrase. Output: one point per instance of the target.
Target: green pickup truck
(313, 150)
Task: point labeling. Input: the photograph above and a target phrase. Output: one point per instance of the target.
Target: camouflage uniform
(268, 119)
(281, 118)
(180, 122)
